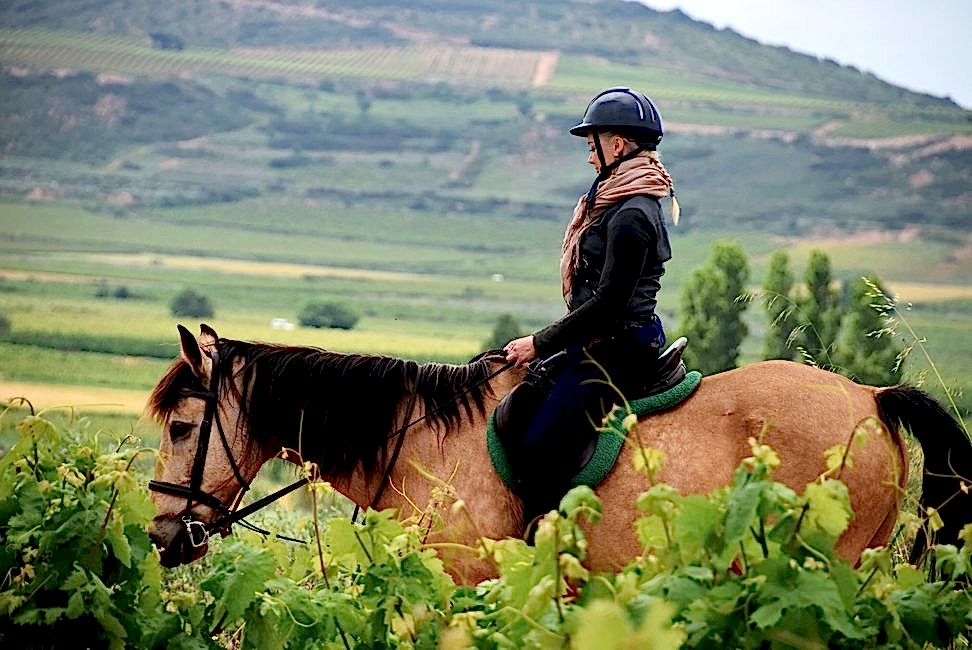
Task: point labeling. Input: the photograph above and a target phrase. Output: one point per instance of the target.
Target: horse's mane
(335, 409)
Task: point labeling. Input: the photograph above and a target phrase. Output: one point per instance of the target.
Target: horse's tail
(948, 456)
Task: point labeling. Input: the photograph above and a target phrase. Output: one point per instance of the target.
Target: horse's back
(798, 410)
(784, 396)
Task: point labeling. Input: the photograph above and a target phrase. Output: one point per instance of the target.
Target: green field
(425, 286)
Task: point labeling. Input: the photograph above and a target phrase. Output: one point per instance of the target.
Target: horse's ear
(208, 339)
(191, 352)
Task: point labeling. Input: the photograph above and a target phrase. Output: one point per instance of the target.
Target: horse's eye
(179, 430)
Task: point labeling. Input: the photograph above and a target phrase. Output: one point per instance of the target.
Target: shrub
(191, 303)
(4, 324)
(327, 314)
(119, 293)
(505, 330)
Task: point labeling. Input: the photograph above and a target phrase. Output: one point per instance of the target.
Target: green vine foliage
(76, 566)
(751, 565)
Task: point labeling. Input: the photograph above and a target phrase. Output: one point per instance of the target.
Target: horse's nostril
(164, 533)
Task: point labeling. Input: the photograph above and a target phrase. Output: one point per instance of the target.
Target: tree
(711, 307)
(192, 304)
(777, 343)
(820, 309)
(524, 106)
(327, 314)
(363, 95)
(505, 330)
(865, 349)
(4, 324)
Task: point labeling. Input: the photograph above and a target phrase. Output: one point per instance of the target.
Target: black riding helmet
(628, 113)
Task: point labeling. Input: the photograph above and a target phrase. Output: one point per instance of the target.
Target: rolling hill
(453, 105)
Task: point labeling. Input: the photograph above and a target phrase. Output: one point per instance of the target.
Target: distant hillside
(453, 106)
(618, 31)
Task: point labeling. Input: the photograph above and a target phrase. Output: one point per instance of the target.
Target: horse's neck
(454, 460)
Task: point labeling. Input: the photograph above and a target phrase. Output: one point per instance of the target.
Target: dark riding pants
(557, 443)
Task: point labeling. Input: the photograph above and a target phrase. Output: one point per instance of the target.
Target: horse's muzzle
(179, 541)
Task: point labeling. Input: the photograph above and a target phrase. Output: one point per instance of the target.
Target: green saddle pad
(609, 442)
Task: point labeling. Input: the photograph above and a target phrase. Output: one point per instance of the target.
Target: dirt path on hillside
(913, 146)
(545, 68)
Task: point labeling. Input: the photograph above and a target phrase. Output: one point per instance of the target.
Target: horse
(345, 413)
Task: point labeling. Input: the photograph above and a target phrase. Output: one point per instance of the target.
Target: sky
(922, 45)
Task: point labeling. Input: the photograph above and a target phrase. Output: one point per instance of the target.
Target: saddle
(670, 384)
(522, 403)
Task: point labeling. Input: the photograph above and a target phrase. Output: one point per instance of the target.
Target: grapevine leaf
(344, 544)
(659, 499)
(918, 614)
(769, 615)
(680, 588)
(651, 532)
(835, 457)
(908, 576)
(76, 605)
(539, 596)
(952, 563)
(136, 505)
(790, 589)
(581, 500)
(741, 511)
(776, 499)
(10, 603)
(36, 430)
(115, 535)
(847, 583)
(876, 559)
(830, 509)
(965, 534)
(696, 526)
(716, 613)
(240, 575)
(604, 624)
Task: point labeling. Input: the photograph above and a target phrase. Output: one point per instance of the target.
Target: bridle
(197, 532)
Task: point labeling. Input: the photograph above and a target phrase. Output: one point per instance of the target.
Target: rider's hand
(521, 350)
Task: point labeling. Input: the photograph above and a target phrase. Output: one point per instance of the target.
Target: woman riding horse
(228, 406)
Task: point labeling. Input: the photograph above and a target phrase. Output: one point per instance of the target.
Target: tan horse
(338, 411)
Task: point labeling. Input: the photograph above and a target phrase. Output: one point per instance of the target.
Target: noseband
(198, 532)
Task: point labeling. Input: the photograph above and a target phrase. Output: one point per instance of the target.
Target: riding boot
(538, 502)
(554, 461)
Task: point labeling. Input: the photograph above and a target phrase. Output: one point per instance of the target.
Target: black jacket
(621, 261)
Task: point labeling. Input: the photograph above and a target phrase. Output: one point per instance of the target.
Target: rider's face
(612, 146)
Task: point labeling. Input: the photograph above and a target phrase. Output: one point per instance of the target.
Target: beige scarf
(642, 175)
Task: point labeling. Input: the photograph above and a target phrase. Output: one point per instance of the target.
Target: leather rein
(198, 532)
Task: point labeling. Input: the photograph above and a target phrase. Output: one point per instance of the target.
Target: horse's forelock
(170, 389)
